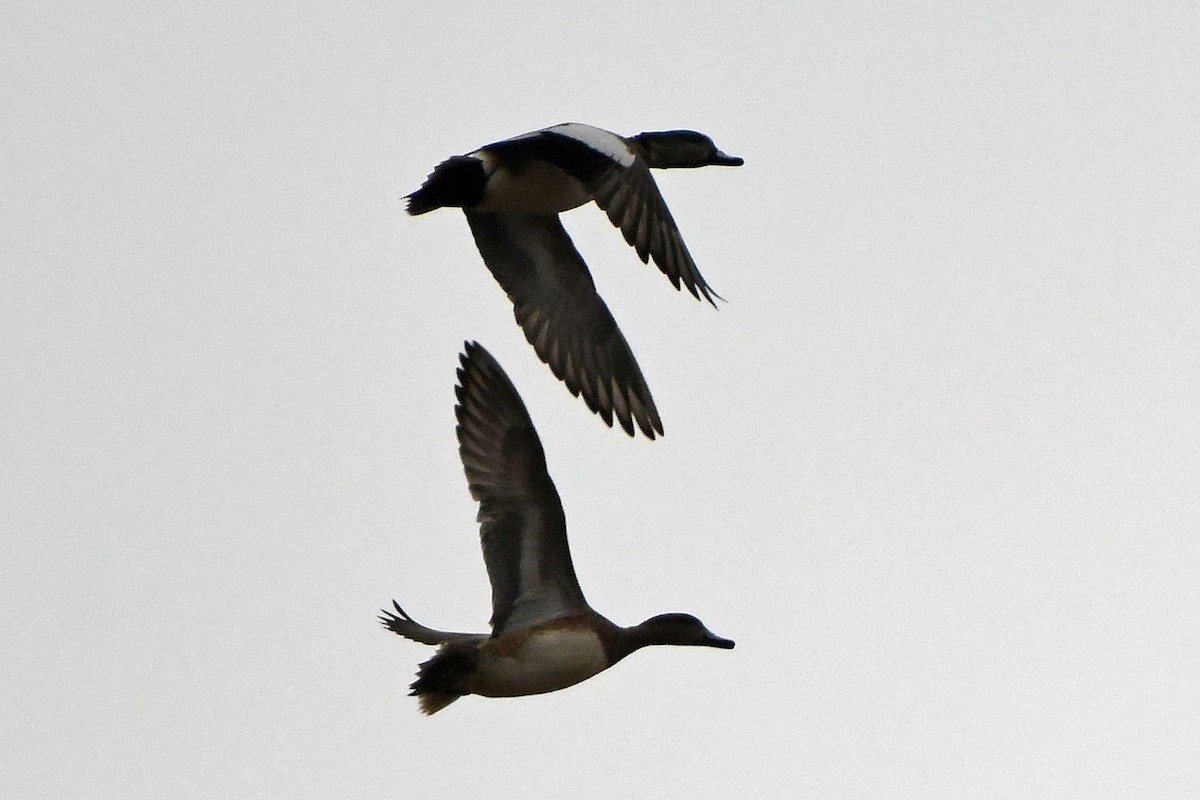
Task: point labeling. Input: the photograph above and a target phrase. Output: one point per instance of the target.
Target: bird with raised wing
(512, 193)
(544, 635)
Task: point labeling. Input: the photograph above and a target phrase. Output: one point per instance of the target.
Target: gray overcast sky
(935, 465)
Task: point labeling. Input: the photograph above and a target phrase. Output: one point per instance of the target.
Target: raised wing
(522, 527)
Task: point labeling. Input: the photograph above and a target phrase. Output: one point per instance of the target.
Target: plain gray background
(934, 465)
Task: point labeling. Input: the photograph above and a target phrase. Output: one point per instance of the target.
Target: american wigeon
(544, 635)
(512, 193)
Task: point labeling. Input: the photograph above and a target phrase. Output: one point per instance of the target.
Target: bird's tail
(440, 680)
(457, 182)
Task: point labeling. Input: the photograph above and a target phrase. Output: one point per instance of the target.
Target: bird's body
(544, 635)
(512, 192)
(544, 658)
(530, 186)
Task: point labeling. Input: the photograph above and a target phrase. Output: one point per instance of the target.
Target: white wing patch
(601, 141)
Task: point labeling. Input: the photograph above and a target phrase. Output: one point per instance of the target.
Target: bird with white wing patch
(512, 192)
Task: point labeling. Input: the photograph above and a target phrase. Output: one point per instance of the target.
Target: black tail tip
(417, 204)
(458, 182)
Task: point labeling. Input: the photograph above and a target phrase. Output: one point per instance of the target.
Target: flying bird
(544, 635)
(512, 193)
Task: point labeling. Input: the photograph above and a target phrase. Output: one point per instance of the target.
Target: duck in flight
(544, 635)
(512, 193)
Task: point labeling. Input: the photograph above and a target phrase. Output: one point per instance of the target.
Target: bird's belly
(532, 188)
(544, 662)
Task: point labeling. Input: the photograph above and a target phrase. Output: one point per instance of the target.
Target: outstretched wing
(522, 527)
(568, 324)
(633, 203)
(409, 628)
(620, 182)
